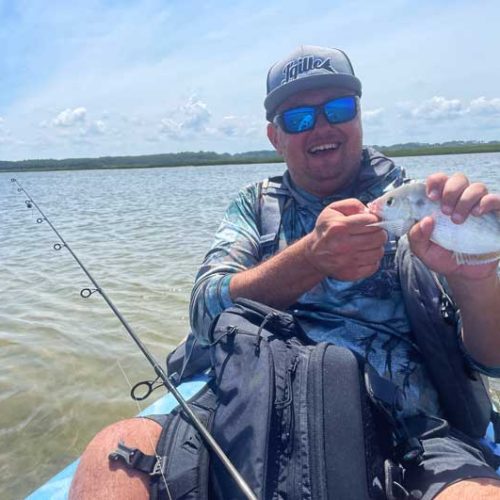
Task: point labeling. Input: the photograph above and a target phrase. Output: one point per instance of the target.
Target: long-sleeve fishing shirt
(367, 316)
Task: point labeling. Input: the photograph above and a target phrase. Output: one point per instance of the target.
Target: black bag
(297, 419)
(294, 417)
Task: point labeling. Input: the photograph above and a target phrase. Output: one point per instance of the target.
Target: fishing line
(153, 447)
(87, 292)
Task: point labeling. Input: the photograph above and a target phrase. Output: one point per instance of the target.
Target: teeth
(324, 147)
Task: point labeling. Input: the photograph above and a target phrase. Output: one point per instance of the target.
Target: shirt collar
(304, 198)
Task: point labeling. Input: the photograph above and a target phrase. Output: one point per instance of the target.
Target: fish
(476, 241)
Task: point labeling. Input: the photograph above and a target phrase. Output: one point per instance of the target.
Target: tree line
(189, 158)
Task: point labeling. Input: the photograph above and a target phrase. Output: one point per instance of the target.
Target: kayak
(57, 488)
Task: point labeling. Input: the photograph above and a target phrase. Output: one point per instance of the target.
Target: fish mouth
(323, 148)
(374, 207)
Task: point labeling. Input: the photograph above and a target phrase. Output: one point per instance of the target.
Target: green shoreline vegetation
(205, 158)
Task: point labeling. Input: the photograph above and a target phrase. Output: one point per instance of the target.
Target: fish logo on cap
(298, 67)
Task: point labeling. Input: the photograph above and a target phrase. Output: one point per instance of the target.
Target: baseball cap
(308, 67)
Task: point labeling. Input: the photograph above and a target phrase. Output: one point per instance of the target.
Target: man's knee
(97, 477)
(481, 488)
(135, 433)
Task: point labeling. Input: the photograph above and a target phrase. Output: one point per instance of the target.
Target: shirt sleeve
(235, 249)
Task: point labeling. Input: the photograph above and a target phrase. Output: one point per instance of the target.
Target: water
(142, 234)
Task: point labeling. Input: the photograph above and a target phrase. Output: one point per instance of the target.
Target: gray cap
(308, 67)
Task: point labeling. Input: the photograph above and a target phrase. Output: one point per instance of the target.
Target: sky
(91, 78)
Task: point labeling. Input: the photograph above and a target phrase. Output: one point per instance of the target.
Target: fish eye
(390, 201)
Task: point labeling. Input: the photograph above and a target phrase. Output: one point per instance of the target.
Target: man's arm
(341, 246)
(235, 248)
(280, 280)
(476, 289)
(479, 302)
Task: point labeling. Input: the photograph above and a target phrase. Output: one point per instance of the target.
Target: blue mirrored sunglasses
(296, 120)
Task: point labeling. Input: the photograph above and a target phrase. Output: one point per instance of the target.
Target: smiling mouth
(324, 148)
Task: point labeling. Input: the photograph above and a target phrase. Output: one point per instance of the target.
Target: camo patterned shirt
(367, 316)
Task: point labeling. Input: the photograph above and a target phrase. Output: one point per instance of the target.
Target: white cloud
(485, 107)
(193, 117)
(70, 117)
(97, 127)
(230, 126)
(197, 122)
(371, 115)
(170, 128)
(197, 115)
(240, 126)
(441, 109)
(438, 108)
(74, 124)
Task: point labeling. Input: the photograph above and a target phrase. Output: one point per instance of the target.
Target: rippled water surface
(142, 235)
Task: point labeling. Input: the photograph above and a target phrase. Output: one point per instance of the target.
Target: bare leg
(97, 478)
(472, 489)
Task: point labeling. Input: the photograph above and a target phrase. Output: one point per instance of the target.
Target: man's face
(325, 159)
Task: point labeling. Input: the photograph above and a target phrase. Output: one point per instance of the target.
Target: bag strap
(180, 466)
(188, 359)
(272, 200)
(433, 320)
(408, 432)
(133, 458)
(495, 422)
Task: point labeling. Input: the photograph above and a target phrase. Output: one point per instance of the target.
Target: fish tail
(476, 259)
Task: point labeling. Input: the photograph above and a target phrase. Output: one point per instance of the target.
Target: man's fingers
(452, 192)
(435, 185)
(350, 206)
(370, 257)
(488, 203)
(470, 197)
(446, 189)
(459, 198)
(370, 241)
(361, 224)
(357, 223)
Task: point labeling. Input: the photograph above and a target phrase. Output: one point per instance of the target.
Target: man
(335, 271)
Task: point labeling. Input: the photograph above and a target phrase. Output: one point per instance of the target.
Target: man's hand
(342, 246)
(459, 199)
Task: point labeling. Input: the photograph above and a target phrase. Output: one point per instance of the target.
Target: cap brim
(280, 94)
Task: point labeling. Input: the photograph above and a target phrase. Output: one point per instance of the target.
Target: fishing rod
(85, 293)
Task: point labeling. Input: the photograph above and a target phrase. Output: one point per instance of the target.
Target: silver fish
(476, 241)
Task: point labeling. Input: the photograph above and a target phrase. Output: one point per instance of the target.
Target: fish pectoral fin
(470, 259)
(397, 227)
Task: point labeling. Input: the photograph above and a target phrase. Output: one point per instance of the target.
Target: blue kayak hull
(57, 488)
